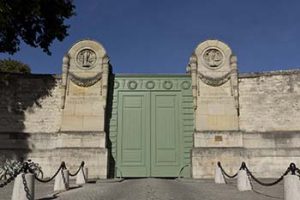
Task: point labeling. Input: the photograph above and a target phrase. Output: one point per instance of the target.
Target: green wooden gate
(151, 125)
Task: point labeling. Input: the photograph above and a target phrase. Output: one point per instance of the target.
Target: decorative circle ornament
(86, 58)
(167, 85)
(213, 57)
(185, 85)
(116, 85)
(132, 85)
(150, 85)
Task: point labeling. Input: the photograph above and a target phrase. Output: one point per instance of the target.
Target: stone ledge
(269, 73)
(20, 75)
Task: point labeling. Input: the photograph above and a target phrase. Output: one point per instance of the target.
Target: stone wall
(29, 103)
(270, 101)
(30, 119)
(267, 154)
(269, 135)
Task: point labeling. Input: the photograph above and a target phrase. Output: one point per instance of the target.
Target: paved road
(167, 189)
(155, 189)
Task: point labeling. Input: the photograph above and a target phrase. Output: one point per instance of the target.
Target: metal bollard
(219, 178)
(243, 182)
(81, 177)
(61, 182)
(291, 187)
(23, 187)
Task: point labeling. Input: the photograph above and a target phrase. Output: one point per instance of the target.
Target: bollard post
(291, 187)
(243, 182)
(61, 182)
(219, 178)
(23, 187)
(81, 177)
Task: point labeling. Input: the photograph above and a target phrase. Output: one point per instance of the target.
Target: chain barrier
(26, 189)
(226, 174)
(80, 167)
(292, 168)
(62, 166)
(12, 177)
(271, 183)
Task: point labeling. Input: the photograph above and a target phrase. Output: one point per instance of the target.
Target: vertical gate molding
(84, 97)
(213, 69)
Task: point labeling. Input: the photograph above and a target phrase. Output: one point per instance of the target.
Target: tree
(36, 22)
(14, 66)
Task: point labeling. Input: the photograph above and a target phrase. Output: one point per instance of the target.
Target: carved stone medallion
(86, 58)
(213, 57)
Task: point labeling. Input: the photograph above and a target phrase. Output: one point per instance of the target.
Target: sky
(158, 36)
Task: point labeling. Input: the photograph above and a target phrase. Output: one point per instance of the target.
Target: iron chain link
(26, 189)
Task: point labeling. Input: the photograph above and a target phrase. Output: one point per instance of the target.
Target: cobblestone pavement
(159, 189)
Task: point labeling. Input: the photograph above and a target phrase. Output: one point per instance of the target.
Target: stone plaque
(218, 138)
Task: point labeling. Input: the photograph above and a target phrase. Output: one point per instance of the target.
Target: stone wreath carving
(185, 85)
(215, 81)
(213, 57)
(116, 85)
(85, 82)
(167, 85)
(132, 85)
(150, 85)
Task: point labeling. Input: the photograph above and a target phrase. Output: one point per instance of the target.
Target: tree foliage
(36, 22)
(14, 66)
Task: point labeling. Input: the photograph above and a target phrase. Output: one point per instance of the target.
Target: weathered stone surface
(29, 103)
(213, 69)
(218, 139)
(84, 87)
(270, 101)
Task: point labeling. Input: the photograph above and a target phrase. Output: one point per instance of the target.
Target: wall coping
(269, 73)
(240, 75)
(56, 76)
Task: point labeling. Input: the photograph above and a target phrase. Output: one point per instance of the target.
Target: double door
(149, 139)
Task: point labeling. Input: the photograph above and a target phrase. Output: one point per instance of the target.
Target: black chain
(11, 178)
(292, 168)
(26, 189)
(223, 171)
(62, 166)
(7, 181)
(268, 184)
(80, 167)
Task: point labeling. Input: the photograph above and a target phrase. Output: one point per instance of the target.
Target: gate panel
(151, 125)
(165, 158)
(133, 147)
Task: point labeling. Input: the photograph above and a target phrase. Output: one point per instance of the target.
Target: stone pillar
(291, 187)
(81, 177)
(219, 177)
(23, 181)
(84, 94)
(213, 69)
(243, 182)
(61, 181)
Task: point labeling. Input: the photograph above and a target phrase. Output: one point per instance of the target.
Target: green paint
(152, 125)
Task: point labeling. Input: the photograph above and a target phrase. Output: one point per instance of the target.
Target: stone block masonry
(270, 101)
